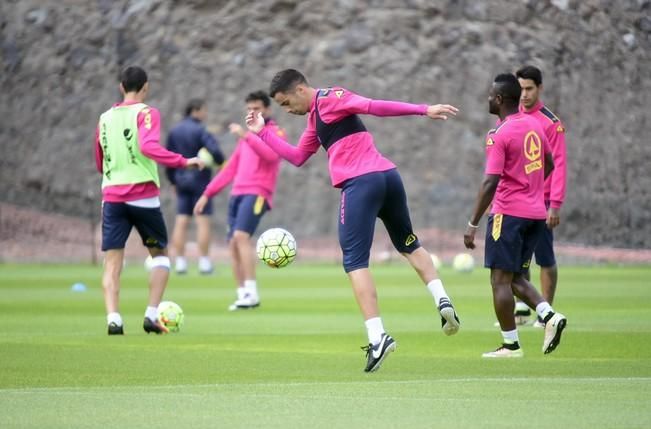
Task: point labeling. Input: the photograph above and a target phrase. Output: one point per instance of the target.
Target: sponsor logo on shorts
(411, 238)
(497, 226)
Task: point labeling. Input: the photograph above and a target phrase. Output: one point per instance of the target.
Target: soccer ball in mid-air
(276, 247)
(171, 315)
(463, 263)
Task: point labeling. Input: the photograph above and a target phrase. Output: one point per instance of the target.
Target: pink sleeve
(395, 108)
(99, 155)
(495, 156)
(297, 155)
(340, 102)
(225, 175)
(149, 140)
(559, 173)
(261, 149)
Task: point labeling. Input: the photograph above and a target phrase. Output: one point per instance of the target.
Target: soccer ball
(276, 247)
(171, 315)
(206, 157)
(463, 262)
(436, 261)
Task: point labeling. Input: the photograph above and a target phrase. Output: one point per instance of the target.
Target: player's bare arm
(441, 111)
(484, 198)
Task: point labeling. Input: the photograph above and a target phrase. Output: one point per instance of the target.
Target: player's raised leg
(395, 215)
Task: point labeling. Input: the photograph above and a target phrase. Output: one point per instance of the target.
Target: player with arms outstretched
(370, 185)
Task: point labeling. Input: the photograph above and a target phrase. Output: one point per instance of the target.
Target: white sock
(151, 313)
(251, 287)
(437, 290)
(204, 263)
(543, 309)
(374, 329)
(114, 318)
(521, 306)
(180, 263)
(241, 292)
(510, 337)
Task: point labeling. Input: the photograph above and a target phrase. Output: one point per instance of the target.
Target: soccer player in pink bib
(518, 159)
(370, 185)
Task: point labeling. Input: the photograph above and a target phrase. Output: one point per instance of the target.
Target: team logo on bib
(339, 93)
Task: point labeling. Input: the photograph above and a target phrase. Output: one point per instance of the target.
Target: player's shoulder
(333, 92)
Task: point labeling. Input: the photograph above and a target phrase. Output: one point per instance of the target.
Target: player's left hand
(254, 122)
(469, 237)
(200, 205)
(237, 130)
(441, 111)
(553, 218)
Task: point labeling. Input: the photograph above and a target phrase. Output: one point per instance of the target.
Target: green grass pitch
(296, 363)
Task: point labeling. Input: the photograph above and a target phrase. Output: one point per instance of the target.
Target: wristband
(472, 226)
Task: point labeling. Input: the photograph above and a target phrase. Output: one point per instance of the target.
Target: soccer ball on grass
(276, 247)
(171, 315)
(463, 263)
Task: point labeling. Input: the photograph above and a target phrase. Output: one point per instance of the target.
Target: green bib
(124, 163)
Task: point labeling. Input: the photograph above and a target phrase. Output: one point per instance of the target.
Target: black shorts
(185, 202)
(119, 218)
(245, 212)
(545, 249)
(364, 199)
(510, 242)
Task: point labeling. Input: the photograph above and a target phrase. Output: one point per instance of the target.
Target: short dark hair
(530, 72)
(286, 81)
(259, 96)
(508, 87)
(194, 104)
(133, 79)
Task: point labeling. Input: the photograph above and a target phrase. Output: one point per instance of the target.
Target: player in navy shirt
(187, 138)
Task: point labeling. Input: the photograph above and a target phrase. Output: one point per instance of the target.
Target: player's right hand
(254, 122)
(441, 111)
(195, 163)
(469, 237)
(200, 205)
(237, 130)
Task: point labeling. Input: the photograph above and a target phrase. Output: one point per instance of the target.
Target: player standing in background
(530, 79)
(127, 148)
(370, 185)
(187, 138)
(253, 169)
(518, 159)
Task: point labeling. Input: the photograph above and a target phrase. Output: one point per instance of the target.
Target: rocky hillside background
(60, 61)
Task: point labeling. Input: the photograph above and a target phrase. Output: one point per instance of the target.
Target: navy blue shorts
(245, 212)
(510, 242)
(119, 218)
(185, 202)
(363, 199)
(545, 249)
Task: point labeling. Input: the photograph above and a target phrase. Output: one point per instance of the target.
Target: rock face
(60, 61)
